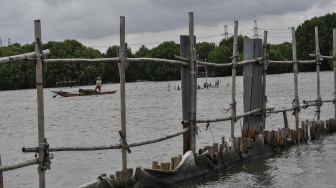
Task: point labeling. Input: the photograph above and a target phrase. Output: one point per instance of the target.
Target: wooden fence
(188, 64)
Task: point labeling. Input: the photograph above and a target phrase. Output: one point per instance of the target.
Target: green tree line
(21, 75)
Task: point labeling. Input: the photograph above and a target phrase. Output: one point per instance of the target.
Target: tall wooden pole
(40, 100)
(263, 95)
(1, 178)
(122, 56)
(296, 83)
(234, 71)
(318, 62)
(334, 63)
(192, 86)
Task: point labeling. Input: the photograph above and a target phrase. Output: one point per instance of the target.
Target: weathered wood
(252, 112)
(281, 140)
(122, 66)
(154, 164)
(172, 163)
(130, 173)
(296, 85)
(276, 137)
(285, 119)
(326, 126)
(162, 166)
(1, 177)
(179, 158)
(318, 62)
(118, 175)
(40, 101)
(192, 85)
(263, 92)
(22, 57)
(272, 137)
(116, 146)
(307, 129)
(233, 84)
(215, 148)
(220, 64)
(291, 62)
(29, 162)
(312, 130)
(334, 68)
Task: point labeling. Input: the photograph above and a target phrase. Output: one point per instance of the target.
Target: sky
(96, 23)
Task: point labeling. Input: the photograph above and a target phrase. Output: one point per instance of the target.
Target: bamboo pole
(116, 146)
(222, 65)
(40, 100)
(255, 111)
(1, 178)
(22, 164)
(116, 60)
(291, 62)
(296, 83)
(321, 56)
(122, 56)
(318, 62)
(334, 63)
(192, 86)
(263, 95)
(234, 71)
(21, 57)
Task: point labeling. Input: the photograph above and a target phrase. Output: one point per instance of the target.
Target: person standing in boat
(98, 84)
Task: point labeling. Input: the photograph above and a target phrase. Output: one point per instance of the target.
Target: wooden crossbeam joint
(123, 142)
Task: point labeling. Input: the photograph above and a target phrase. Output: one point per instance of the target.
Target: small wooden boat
(81, 92)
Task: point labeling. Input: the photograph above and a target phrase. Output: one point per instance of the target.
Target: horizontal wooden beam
(21, 57)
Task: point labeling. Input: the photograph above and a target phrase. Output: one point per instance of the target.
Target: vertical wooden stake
(318, 62)
(285, 119)
(1, 178)
(296, 87)
(234, 67)
(192, 86)
(263, 95)
(122, 56)
(40, 100)
(334, 63)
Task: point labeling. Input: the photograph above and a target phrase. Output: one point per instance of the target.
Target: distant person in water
(98, 84)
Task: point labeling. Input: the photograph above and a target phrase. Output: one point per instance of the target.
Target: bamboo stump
(312, 130)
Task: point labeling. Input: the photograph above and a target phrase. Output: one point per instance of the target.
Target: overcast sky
(95, 23)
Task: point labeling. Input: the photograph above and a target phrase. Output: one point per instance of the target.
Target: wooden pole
(263, 95)
(334, 63)
(234, 71)
(1, 178)
(192, 86)
(296, 85)
(285, 118)
(122, 56)
(40, 100)
(318, 62)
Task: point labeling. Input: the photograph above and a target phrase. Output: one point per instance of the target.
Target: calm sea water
(153, 111)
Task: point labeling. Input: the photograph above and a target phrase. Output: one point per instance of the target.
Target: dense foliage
(21, 75)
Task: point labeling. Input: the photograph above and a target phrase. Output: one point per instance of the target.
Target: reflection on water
(153, 111)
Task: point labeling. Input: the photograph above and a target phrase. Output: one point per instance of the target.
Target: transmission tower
(9, 42)
(255, 29)
(226, 34)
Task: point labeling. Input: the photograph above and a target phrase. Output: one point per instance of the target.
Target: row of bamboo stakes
(174, 162)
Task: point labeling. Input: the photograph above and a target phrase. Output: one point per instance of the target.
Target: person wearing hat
(98, 84)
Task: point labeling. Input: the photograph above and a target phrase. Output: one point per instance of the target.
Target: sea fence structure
(255, 140)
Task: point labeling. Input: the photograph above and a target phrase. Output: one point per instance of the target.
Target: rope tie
(45, 163)
(206, 129)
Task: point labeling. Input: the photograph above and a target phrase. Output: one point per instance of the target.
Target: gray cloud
(94, 19)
